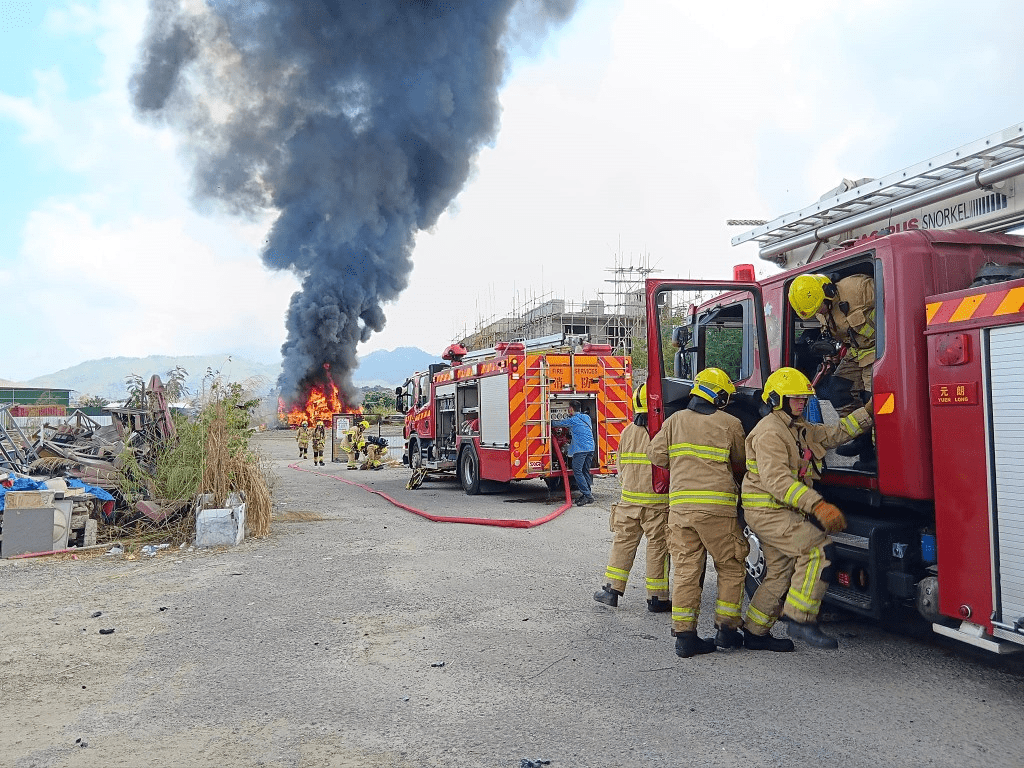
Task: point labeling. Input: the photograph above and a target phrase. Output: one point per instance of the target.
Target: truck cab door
(697, 324)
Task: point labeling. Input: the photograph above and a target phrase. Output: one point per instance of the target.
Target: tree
(92, 401)
(379, 401)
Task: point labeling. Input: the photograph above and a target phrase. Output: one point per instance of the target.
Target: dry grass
(293, 516)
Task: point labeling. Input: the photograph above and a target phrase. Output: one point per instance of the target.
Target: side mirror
(680, 336)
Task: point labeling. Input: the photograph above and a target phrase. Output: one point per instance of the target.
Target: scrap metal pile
(81, 449)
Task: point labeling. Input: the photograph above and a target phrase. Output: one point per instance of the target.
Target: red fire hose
(500, 523)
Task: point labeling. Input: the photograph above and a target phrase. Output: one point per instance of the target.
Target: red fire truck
(487, 415)
(937, 527)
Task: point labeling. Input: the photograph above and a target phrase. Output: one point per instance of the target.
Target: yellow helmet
(305, 423)
(364, 424)
(640, 400)
(785, 382)
(715, 386)
(808, 292)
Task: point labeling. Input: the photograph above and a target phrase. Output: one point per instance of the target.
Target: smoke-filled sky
(630, 131)
(355, 123)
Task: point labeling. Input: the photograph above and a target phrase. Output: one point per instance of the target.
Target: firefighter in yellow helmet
(303, 439)
(846, 311)
(702, 447)
(319, 439)
(352, 441)
(779, 502)
(638, 512)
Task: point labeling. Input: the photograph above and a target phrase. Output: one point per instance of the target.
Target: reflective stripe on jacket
(700, 451)
(775, 458)
(635, 470)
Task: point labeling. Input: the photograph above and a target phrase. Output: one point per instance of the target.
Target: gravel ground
(359, 634)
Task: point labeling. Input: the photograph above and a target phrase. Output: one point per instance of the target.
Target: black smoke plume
(355, 121)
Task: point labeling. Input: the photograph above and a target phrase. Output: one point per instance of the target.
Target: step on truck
(936, 527)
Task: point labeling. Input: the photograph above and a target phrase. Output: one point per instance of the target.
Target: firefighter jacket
(700, 451)
(634, 470)
(319, 437)
(303, 437)
(851, 317)
(784, 455)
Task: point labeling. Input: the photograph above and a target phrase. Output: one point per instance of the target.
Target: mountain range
(106, 377)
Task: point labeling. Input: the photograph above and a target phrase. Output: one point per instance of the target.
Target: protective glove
(830, 517)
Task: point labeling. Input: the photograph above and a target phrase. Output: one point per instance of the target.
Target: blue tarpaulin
(25, 484)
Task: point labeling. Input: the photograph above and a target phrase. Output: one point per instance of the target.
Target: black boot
(728, 637)
(657, 605)
(856, 446)
(688, 644)
(812, 635)
(868, 461)
(608, 596)
(766, 642)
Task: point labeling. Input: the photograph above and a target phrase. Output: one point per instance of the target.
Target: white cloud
(636, 130)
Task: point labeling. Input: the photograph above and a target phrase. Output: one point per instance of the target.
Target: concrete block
(220, 527)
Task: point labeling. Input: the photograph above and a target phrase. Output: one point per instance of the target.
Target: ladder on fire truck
(951, 180)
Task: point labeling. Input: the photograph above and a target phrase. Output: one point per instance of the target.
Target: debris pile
(135, 478)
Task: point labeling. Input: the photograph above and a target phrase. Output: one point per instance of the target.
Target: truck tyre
(415, 454)
(554, 483)
(469, 471)
(754, 564)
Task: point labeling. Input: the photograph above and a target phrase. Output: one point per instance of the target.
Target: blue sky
(633, 131)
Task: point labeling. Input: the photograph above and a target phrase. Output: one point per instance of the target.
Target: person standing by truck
(703, 448)
(582, 449)
(779, 500)
(846, 311)
(639, 512)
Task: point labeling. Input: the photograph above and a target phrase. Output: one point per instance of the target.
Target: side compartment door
(697, 324)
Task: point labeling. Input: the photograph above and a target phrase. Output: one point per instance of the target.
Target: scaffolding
(615, 318)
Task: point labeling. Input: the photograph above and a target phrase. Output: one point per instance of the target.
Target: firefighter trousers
(795, 561)
(691, 536)
(629, 523)
(860, 381)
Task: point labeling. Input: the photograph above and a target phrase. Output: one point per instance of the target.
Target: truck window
(727, 340)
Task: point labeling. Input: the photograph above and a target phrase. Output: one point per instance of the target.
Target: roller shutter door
(1006, 381)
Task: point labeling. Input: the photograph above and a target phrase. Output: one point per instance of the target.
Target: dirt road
(359, 634)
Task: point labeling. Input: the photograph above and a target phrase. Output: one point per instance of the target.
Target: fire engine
(936, 527)
(486, 415)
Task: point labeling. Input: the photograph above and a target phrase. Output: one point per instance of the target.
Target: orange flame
(322, 402)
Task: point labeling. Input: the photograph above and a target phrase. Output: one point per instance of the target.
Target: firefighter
(374, 449)
(639, 512)
(303, 439)
(319, 439)
(352, 441)
(846, 311)
(702, 447)
(779, 502)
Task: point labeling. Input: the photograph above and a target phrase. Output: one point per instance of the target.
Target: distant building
(589, 319)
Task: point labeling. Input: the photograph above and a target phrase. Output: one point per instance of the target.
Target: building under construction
(616, 322)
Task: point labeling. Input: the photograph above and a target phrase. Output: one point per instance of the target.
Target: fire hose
(499, 523)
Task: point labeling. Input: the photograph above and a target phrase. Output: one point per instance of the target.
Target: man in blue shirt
(581, 449)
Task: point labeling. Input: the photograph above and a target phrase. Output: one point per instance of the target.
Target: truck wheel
(555, 483)
(415, 454)
(469, 471)
(755, 564)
